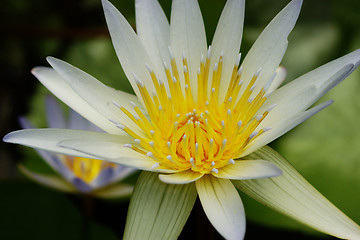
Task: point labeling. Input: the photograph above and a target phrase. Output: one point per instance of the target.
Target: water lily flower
(77, 174)
(200, 120)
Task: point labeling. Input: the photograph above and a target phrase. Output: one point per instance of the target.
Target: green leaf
(29, 211)
(292, 195)
(158, 210)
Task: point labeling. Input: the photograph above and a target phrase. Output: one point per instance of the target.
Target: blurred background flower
(76, 174)
(325, 147)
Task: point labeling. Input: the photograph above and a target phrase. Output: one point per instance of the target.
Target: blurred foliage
(324, 148)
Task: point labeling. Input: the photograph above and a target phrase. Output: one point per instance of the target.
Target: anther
(240, 70)
(116, 104)
(258, 72)
(253, 134)
(238, 60)
(265, 129)
(268, 94)
(171, 52)
(214, 170)
(149, 154)
(231, 161)
(148, 67)
(127, 145)
(215, 67)
(133, 104)
(137, 141)
(271, 107)
(151, 143)
(209, 52)
(212, 163)
(259, 117)
(155, 165)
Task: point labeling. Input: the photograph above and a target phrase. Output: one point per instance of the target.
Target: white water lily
(77, 174)
(199, 121)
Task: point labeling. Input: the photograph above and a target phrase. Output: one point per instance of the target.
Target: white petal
(47, 139)
(48, 180)
(282, 127)
(279, 78)
(158, 210)
(301, 93)
(53, 160)
(292, 195)
(153, 29)
(54, 114)
(129, 49)
(112, 149)
(180, 177)
(222, 205)
(269, 49)
(187, 36)
(96, 94)
(57, 85)
(248, 169)
(114, 191)
(227, 39)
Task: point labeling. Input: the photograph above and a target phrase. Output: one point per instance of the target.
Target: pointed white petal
(48, 180)
(302, 92)
(269, 49)
(153, 29)
(129, 49)
(47, 139)
(158, 210)
(54, 114)
(282, 127)
(227, 39)
(112, 150)
(57, 85)
(222, 205)
(96, 94)
(292, 195)
(248, 169)
(181, 177)
(114, 191)
(53, 160)
(187, 36)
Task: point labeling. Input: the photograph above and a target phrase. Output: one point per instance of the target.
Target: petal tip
(7, 138)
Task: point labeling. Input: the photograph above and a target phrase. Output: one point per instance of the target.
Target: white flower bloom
(78, 174)
(197, 119)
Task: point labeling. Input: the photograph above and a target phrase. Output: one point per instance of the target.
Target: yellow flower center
(85, 168)
(198, 133)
